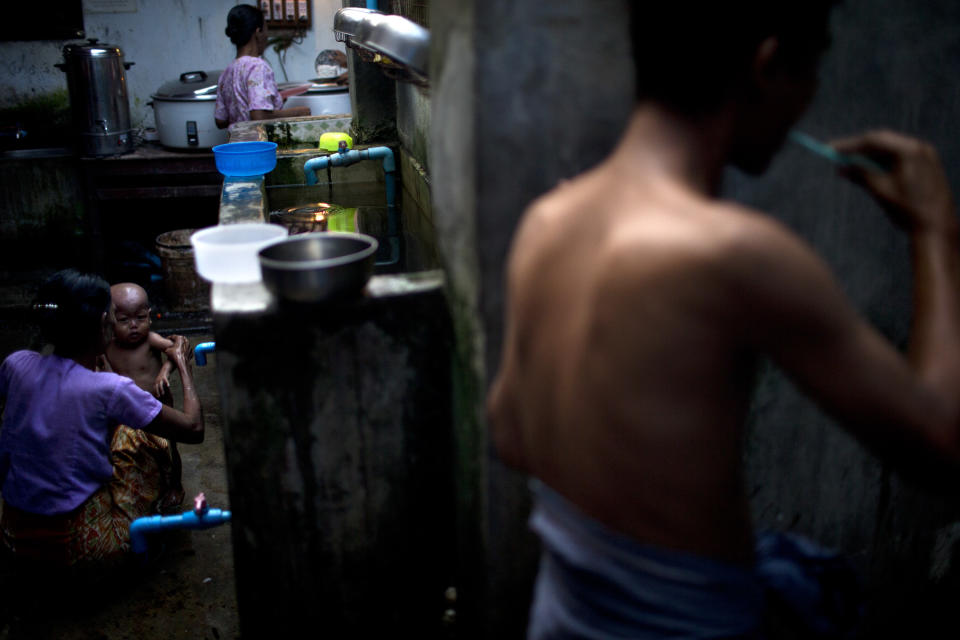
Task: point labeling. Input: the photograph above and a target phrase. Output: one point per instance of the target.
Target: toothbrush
(841, 159)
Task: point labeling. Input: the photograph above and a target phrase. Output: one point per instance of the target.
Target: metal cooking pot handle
(192, 76)
(127, 65)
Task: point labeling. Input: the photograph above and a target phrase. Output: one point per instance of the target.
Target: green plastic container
(330, 141)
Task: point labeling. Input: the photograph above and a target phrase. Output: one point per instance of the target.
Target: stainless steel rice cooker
(183, 109)
(98, 97)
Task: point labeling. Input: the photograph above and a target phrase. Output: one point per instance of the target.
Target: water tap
(200, 504)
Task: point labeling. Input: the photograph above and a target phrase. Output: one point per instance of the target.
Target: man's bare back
(635, 417)
(637, 306)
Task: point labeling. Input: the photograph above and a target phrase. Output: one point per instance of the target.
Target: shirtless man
(137, 353)
(638, 303)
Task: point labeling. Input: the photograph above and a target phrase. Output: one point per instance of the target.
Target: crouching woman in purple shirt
(72, 478)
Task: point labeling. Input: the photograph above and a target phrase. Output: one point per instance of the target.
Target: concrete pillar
(524, 94)
(336, 432)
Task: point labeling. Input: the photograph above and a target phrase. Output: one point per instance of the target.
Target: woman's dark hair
(689, 55)
(69, 308)
(242, 21)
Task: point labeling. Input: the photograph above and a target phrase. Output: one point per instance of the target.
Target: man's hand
(914, 191)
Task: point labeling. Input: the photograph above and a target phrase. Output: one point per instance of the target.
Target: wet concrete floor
(188, 591)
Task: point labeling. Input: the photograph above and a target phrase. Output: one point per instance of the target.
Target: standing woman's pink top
(246, 85)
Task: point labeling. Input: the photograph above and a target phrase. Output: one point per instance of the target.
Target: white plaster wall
(164, 38)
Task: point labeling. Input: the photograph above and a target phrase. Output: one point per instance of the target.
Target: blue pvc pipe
(348, 157)
(140, 527)
(200, 352)
(389, 178)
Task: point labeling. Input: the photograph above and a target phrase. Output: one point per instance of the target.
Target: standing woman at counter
(246, 89)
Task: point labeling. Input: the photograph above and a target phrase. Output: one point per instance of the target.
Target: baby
(137, 353)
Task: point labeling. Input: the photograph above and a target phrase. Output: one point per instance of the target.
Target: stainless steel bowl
(314, 267)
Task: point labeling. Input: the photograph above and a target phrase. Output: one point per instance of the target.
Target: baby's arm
(103, 363)
(161, 344)
(157, 341)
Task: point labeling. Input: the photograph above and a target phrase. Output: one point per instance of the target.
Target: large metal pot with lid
(98, 97)
(183, 109)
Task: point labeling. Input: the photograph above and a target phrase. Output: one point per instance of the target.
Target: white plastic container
(228, 253)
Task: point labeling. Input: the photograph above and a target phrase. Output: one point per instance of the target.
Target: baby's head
(131, 313)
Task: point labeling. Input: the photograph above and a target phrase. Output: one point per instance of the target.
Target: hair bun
(242, 22)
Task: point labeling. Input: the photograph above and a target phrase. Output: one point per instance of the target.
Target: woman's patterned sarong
(99, 530)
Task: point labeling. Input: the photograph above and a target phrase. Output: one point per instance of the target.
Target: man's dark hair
(69, 308)
(242, 21)
(690, 55)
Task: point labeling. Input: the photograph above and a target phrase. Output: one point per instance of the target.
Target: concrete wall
(42, 221)
(413, 121)
(514, 112)
(893, 64)
(507, 124)
(164, 38)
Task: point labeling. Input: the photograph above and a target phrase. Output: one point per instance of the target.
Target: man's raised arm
(905, 408)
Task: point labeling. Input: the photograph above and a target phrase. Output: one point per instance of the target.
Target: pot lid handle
(192, 76)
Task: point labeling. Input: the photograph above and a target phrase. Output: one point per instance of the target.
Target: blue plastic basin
(245, 158)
